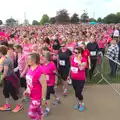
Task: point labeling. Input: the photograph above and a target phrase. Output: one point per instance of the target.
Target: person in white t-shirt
(116, 33)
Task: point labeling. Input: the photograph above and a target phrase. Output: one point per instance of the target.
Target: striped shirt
(113, 52)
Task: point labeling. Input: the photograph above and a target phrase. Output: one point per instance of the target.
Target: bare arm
(44, 85)
(25, 69)
(89, 62)
(5, 72)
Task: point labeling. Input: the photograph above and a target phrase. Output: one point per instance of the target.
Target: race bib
(47, 77)
(62, 62)
(74, 69)
(29, 83)
(93, 53)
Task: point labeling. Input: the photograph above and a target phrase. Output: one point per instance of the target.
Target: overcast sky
(34, 9)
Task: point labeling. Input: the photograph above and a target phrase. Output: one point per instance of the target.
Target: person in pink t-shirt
(34, 48)
(36, 87)
(49, 69)
(102, 42)
(26, 46)
(77, 74)
(21, 68)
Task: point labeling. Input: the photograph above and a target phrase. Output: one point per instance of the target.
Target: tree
(84, 17)
(52, 20)
(99, 19)
(92, 20)
(11, 22)
(62, 16)
(45, 19)
(1, 22)
(111, 18)
(75, 18)
(35, 22)
(118, 17)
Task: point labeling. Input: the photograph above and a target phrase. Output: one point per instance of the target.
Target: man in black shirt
(92, 46)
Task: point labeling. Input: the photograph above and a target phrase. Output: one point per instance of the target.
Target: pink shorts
(35, 110)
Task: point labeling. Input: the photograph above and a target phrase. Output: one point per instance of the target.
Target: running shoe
(82, 107)
(6, 107)
(65, 92)
(46, 112)
(77, 106)
(56, 102)
(18, 108)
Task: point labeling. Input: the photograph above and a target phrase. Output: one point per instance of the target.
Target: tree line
(63, 17)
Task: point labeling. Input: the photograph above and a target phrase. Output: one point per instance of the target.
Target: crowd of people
(33, 56)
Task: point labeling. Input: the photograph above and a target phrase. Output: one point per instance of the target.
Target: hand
(89, 67)
(25, 93)
(22, 75)
(43, 102)
(68, 77)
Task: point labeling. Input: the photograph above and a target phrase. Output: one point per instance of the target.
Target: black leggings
(86, 72)
(50, 90)
(78, 86)
(93, 65)
(102, 50)
(8, 90)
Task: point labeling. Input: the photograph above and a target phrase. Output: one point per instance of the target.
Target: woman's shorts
(8, 89)
(64, 72)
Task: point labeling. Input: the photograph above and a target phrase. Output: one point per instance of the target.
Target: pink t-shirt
(26, 48)
(34, 87)
(102, 43)
(76, 72)
(50, 70)
(109, 40)
(21, 62)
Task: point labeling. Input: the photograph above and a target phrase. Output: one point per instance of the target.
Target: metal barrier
(104, 73)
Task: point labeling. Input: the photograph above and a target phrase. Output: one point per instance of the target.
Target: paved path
(102, 103)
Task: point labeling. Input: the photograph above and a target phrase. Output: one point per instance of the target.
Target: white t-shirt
(116, 33)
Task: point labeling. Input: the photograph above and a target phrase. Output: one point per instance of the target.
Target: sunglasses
(62, 45)
(75, 52)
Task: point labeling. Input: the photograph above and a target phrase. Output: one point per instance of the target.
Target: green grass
(105, 70)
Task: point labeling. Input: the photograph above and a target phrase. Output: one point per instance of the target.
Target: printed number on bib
(74, 69)
(93, 53)
(62, 62)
